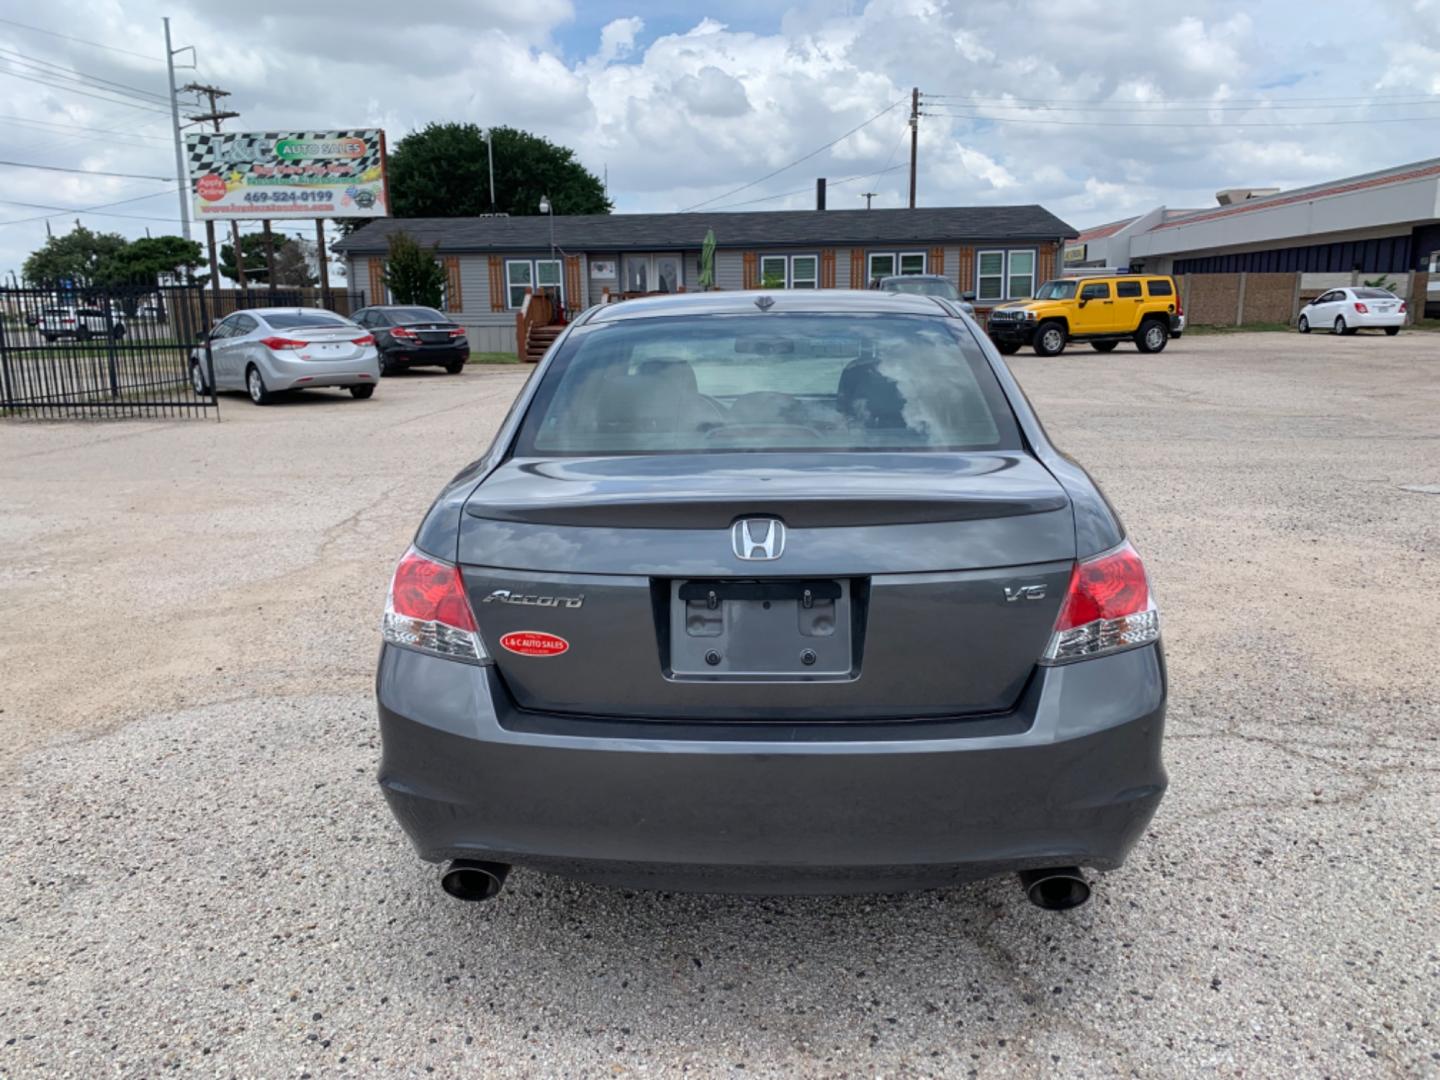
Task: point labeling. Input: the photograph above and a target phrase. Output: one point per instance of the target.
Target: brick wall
(1269, 298)
(1210, 299)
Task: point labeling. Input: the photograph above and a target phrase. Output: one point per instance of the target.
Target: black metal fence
(90, 352)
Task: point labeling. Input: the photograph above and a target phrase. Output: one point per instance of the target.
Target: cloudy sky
(1094, 108)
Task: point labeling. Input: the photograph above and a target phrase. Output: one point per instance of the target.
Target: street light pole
(180, 177)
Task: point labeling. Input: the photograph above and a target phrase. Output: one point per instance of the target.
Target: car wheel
(1391, 331)
(1050, 339)
(1153, 336)
(1007, 348)
(1304, 325)
(1339, 327)
(1104, 346)
(455, 367)
(386, 368)
(363, 391)
(197, 379)
(255, 385)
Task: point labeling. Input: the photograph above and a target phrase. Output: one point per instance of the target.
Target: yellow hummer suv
(1102, 309)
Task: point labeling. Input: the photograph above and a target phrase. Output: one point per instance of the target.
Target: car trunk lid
(908, 585)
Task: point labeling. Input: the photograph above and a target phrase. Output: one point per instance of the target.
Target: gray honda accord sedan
(772, 593)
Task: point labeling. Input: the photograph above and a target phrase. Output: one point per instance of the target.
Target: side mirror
(1083, 301)
(969, 295)
(203, 335)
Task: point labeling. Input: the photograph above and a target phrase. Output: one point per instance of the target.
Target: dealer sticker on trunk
(534, 643)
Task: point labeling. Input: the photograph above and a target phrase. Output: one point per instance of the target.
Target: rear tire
(455, 367)
(1304, 325)
(1339, 327)
(1104, 346)
(1050, 339)
(1391, 331)
(255, 386)
(363, 391)
(1152, 336)
(385, 366)
(197, 379)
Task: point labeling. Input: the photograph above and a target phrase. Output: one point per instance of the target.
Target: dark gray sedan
(772, 593)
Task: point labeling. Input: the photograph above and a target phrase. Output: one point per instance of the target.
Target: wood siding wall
(497, 283)
(377, 280)
(454, 290)
(966, 280)
(827, 268)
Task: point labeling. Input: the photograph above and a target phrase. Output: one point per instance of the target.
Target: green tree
(84, 256)
(444, 171)
(150, 259)
(412, 273)
(252, 249)
(292, 261)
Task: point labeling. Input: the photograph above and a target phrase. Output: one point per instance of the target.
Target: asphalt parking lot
(197, 871)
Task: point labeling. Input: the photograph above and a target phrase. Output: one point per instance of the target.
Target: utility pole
(867, 196)
(914, 138)
(180, 175)
(490, 152)
(214, 116)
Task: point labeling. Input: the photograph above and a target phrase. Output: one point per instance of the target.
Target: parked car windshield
(921, 286)
(301, 320)
(405, 315)
(768, 382)
(1374, 294)
(1056, 290)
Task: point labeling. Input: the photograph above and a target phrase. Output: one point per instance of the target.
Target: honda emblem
(758, 539)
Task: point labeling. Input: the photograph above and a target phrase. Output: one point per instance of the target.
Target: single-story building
(999, 252)
(1378, 224)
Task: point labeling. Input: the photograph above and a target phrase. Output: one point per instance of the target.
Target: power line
(86, 209)
(801, 191)
(972, 99)
(30, 77)
(110, 132)
(79, 41)
(1016, 104)
(1222, 124)
(61, 70)
(84, 172)
(797, 161)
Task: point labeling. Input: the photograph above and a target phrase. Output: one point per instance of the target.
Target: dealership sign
(278, 174)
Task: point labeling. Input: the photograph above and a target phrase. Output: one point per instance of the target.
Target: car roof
(808, 301)
(285, 309)
(914, 277)
(396, 307)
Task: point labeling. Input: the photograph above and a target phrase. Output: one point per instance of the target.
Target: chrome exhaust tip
(469, 879)
(1055, 888)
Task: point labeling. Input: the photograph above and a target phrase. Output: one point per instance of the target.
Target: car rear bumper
(302, 374)
(1374, 320)
(1071, 777)
(419, 357)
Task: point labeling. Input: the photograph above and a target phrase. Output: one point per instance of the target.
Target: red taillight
(280, 344)
(368, 339)
(457, 332)
(1179, 305)
(1402, 307)
(428, 610)
(401, 334)
(1107, 607)
(1361, 308)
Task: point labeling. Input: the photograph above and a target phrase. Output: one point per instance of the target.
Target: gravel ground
(198, 872)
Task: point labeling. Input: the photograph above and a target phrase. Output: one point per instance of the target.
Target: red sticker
(211, 187)
(534, 643)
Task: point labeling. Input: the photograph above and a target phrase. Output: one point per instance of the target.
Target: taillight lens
(427, 610)
(368, 339)
(1107, 608)
(401, 334)
(1402, 307)
(280, 344)
(457, 332)
(1179, 305)
(1361, 308)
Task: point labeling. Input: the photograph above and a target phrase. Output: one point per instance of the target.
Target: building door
(653, 273)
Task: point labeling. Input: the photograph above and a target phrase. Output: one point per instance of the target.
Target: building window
(1021, 276)
(804, 272)
(789, 272)
(889, 263)
(773, 272)
(533, 274)
(990, 283)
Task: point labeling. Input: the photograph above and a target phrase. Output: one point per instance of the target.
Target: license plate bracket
(760, 629)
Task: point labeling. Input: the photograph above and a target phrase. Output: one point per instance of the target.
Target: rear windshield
(768, 382)
(922, 287)
(405, 315)
(1374, 294)
(300, 320)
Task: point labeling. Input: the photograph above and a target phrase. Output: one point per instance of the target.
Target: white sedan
(1344, 311)
(265, 351)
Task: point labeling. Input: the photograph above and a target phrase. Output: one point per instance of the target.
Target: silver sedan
(265, 351)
